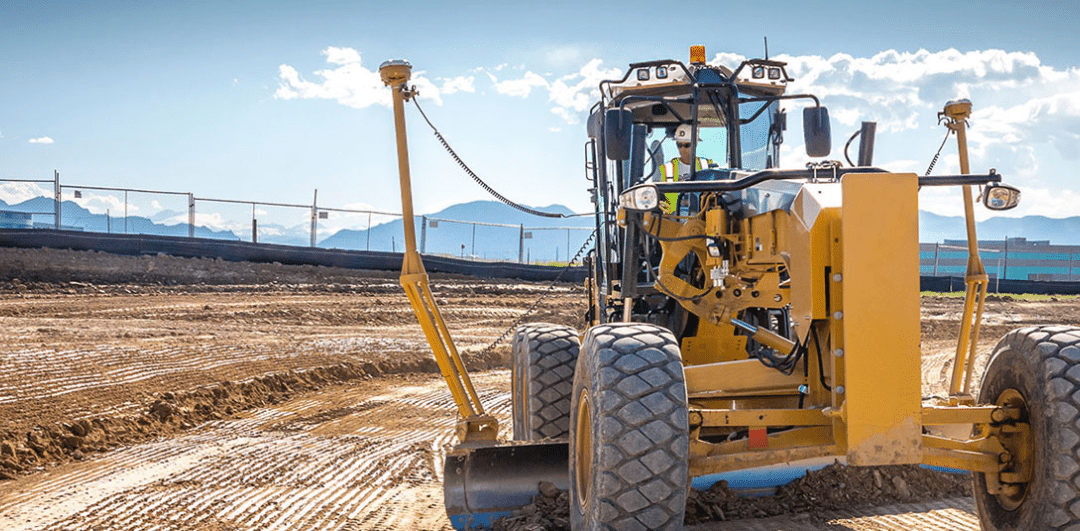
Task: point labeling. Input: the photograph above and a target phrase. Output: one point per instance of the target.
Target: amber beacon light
(697, 54)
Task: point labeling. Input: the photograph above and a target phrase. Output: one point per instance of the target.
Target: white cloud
(571, 94)
(104, 203)
(458, 84)
(214, 221)
(41, 140)
(349, 83)
(341, 56)
(1025, 120)
(17, 192)
(519, 87)
(729, 60)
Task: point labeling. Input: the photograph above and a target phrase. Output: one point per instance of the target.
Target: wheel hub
(1015, 437)
(583, 449)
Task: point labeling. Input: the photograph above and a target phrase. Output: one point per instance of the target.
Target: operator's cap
(683, 134)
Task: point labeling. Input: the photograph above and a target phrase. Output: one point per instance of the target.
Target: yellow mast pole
(475, 424)
(976, 280)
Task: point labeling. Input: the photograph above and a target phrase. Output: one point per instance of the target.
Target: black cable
(820, 363)
(785, 365)
(938, 154)
(846, 146)
(535, 305)
(477, 178)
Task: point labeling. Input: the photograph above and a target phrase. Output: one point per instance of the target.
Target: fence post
(473, 242)
(254, 230)
(937, 250)
(1006, 273)
(56, 201)
(314, 215)
(521, 244)
(997, 284)
(190, 215)
(125, 212)
(423, 233)
(368, 232)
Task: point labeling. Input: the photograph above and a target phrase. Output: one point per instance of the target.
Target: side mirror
(998, 196)
(816, 132)
(618, 128)
(592, 127)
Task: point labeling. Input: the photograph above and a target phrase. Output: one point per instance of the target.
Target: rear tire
(629, 444)
(1039, 368)
(542, 378)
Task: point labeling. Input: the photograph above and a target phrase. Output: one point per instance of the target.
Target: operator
(679, 167)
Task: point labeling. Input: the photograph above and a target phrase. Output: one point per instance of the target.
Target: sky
(270, 100)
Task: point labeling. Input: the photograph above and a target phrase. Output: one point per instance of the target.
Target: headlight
(641, 197)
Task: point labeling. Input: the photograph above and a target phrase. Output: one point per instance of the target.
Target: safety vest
(672, 169)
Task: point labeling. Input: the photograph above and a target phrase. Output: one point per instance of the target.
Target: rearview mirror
(618, 128)
(816, 131)
(998, 196)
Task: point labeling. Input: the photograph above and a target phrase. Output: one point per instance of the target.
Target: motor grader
(744, 317)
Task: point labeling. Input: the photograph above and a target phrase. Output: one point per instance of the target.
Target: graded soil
(162, 392)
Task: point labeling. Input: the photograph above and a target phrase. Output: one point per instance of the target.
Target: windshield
(712, 148)
(758, 152)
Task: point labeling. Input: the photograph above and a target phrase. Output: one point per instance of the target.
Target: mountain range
(489, 230)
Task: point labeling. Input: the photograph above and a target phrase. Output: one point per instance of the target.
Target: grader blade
(483, 483)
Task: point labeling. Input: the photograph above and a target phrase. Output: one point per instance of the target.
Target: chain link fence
(40, 203)
(50, 204)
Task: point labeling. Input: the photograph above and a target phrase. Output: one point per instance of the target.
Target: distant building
(1012, 259)
(15, 220)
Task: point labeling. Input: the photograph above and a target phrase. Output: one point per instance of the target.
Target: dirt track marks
(367, 456)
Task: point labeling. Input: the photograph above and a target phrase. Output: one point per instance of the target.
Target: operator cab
(735, 115)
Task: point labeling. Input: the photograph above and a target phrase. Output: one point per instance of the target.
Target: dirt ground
(161, 392)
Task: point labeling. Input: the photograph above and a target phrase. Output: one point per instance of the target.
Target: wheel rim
(1012, 494)
(583, 449)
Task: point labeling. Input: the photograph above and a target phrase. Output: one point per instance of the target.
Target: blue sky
(267, 101)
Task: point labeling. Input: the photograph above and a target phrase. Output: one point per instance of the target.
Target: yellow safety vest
(673, 198)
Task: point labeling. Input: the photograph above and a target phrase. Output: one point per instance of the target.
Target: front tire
(629, 440)
(1038, 370)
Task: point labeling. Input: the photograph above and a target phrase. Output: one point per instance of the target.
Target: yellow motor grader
(744, 317)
